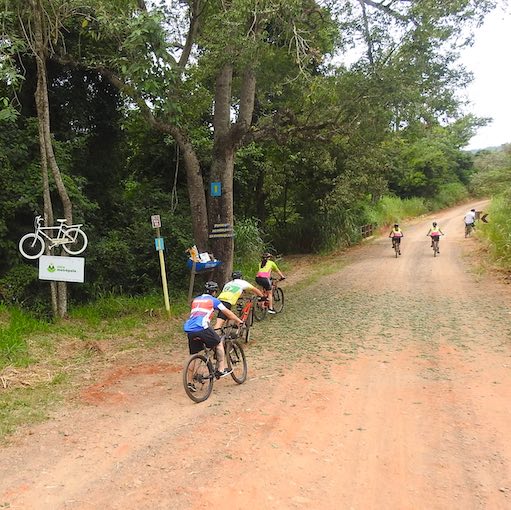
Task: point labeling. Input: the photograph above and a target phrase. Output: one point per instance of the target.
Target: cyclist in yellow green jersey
(435, 232)
(230, 294)
(263, 277)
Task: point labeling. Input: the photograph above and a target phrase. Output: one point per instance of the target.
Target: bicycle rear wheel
(198, 378)
(278, 299)
(260, 310)
(80, 241)
(237, 361)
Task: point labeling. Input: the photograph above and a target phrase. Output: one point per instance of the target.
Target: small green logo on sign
(51, 268)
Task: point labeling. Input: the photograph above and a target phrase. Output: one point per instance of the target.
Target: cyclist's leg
(265, 283)
(221, 318)
(211, 339)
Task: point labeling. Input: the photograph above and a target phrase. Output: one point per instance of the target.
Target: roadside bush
(248, 245)
(389, 209)
(498, 231)
(22, 287)
(449, 194)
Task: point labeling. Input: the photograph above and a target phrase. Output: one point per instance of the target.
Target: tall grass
(15, 326)
(248, 245)
(498, 230)
(448, 194)
(392, 209)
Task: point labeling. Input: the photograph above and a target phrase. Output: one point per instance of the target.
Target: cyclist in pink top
(263, 277)
(435, 232)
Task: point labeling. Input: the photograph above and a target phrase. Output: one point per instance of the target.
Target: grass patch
(497, 231)
(22, 406)
(15, 327)
(390, 210)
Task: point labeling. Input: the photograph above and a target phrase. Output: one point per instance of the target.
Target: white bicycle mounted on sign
(71, 237)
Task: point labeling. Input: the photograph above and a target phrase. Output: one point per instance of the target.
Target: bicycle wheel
(80, 241)
(278, 299)
(198, 378)
(396, 249)
(31, 246)
(435, 248)
(250, 319)
(245, 332)
(237, 361)
(260, 310)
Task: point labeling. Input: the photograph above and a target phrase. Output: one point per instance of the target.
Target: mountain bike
(435, 240)
(71, 237)
(200, 370)
(245, 309)
(396, 244)
(261, 308)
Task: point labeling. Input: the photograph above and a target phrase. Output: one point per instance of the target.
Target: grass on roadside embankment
(497, 232)
(41, 362)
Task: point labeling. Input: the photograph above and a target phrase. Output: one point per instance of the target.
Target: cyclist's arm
(229, 314)
(276, 268)
(256, 291)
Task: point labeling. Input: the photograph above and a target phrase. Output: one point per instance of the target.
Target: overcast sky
(490, 92)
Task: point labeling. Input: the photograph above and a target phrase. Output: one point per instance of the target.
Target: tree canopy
(307, 111)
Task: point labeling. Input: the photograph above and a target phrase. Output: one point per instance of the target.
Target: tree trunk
(196, 193)
(59, 291)
(221, 209)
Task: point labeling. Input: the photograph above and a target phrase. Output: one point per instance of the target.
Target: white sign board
(156, 221)
(61, 269)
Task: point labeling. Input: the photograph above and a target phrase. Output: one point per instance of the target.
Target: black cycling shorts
(396, 240)
(265, 283)
(435, 238)
(196, 339)
(221, 314)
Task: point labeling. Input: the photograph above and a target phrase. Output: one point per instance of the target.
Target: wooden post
(163, 277)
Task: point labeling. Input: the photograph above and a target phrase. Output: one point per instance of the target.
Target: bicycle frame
(62, 235)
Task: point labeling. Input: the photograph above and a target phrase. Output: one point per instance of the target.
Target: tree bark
(58, 291)
(221, 209)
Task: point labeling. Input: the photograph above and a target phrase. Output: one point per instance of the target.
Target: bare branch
(385, 8)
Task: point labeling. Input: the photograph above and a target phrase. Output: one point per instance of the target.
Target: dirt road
(383, 385)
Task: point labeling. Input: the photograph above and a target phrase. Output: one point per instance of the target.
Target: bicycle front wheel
(79, 242)
(245, 332)
(31, 246)
(198, 378)
(278, 299)
(237, 361)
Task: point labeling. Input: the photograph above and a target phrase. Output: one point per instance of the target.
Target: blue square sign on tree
(216, 189)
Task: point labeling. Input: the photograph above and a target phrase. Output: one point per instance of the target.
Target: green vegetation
(391, 209)
(498, 231)
(324, 149)
(493, 177)
(15, 327)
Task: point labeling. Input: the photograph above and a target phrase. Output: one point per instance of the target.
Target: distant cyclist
(470, 221)
(199, 330)
(263, 277)
(435, 232)
(230, 294)
(396, 234)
